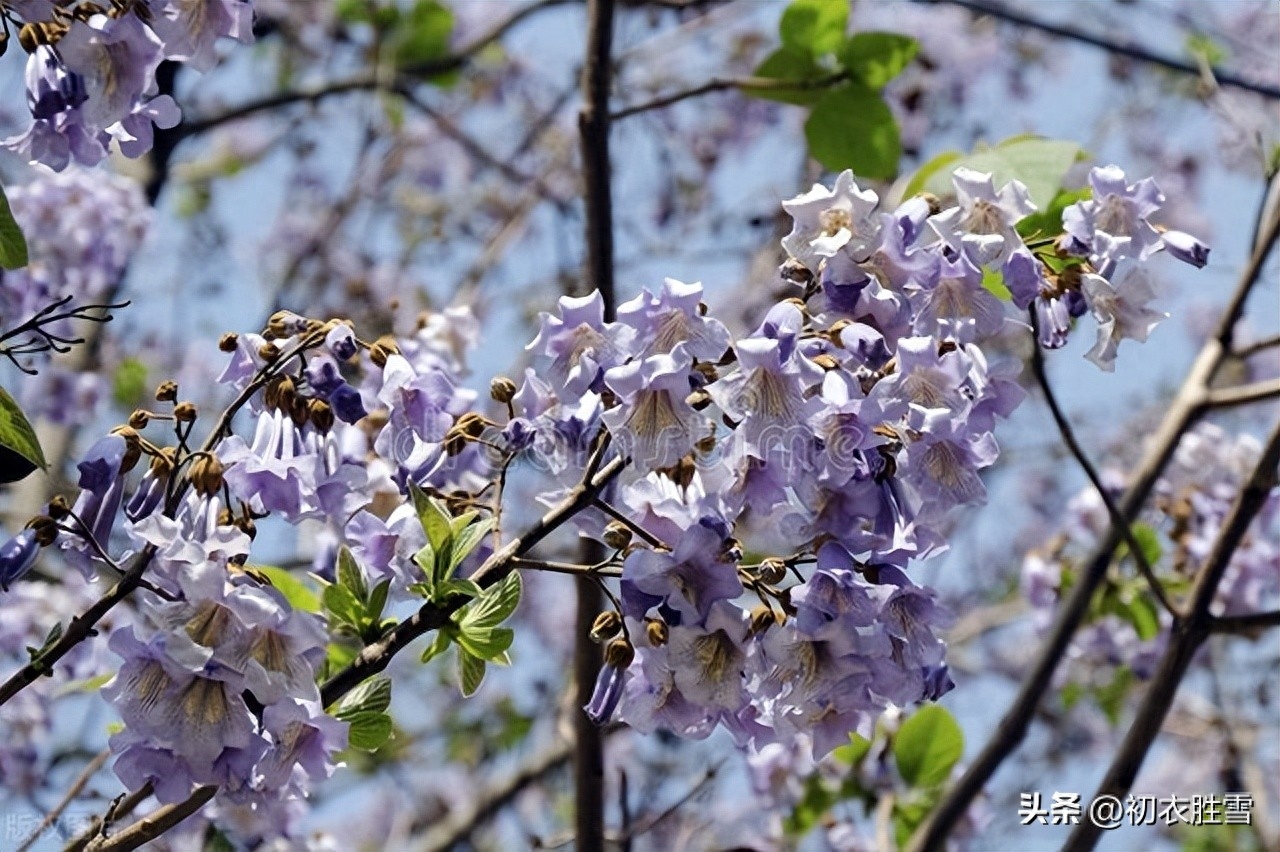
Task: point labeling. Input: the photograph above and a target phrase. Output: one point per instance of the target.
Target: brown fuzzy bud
(826, 362)
(269, 352)
(246, 526)
(286, 324)
(935, 204)
(762, 618)
(46, 529)
(731, 550)
(656, 631)
(225, 518)
(698, 400)
(772, 571)
(162, 463)
(618, 654)
(502, 390)
(795, 272)
(167, 391)
(132, 447)
(321, 415)
(617, 535)
(206, 475)
(383, 348)
(185, 412)
(606, 626)
(59, 507)
(139, 419)
(705, 444)
(707, 371)
(228, 342)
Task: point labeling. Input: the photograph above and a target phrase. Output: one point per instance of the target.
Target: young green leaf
(495, 605)
(486, 643)
(466, 540)
(371, 696)
(927, 746)
(851, 127)
(13, 246)
(295, 591)
(815, 26)
(438, 646)
(17, 436)
(433, 516)
(350, 575)
(788, 63)
(342, 605)
(470, 673)
(368, 731)
(876, 58)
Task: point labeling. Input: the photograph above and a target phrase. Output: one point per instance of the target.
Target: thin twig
(721, 84)
(573, 568)
(1257, 346)
(649, 824)
(1129, 51)
(1243, 394)
(1077, 452)
(74, 790)
(643, 533)
(1185, 639)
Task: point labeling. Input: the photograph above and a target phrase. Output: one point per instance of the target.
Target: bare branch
(70, 796)
(720, 84)
(1251, 623)
(1243, 394)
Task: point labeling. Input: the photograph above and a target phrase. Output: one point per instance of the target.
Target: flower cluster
(91, 70)
(1190, 503)
(842, 434)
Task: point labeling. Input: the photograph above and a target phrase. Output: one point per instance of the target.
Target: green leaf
(486, 643)
(297, 593)
(438, 646)
(815, 26)
(1202, 48)
(1149, 542)
(378, 600)
(129, 384)
(993, 283)
(87, 685)
(788, 63)
(351, 577)
(853, 753)
(495, 605)
(368, 731)
(816, 800)
(342, 605)
(1144, 617)
(466, 540)
(433, 516)
(1046, 223)
(371, 696)
(459, 586)
(423, 34)
(927, 746)
(875, 58)
(13, 246)
(470, 673)
(907, 817)
(1111, 697)
(851, 127)
(17, 435)
(924, 175)
(1039, 163)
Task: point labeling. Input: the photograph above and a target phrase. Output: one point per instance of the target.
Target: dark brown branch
(1186, 638)
(721, 84)
(153, 824)
(1129, 51)
(1118, 521)
(373, 79)
(67, 798)
(1251, 623)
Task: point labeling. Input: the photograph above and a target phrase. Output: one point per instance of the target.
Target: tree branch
(720, 84)
(1129, 51)
(1184, 410)
(1243, 394)
(1185, 639)
(1251, 623)
(74, 790)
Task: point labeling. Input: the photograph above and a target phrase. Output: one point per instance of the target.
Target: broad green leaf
(875, 58)
(851, 127)
(378, 600)
(342, 604)
(339, 655)
(495, 605)
(438, 646)
(371, 696)
(129, 384)
(422, 34)
(351, 577)
(467, 540)
(927, 746)
(459, 586)
(1149, 540)
(470, 673)
(17, 435)
(297, 593)
(13, 246)
(926, 172)
(368, 731)
(1039, 163)
(993, 283)
(1144, 617)
(853, 753)
(1046, 223)
(433, 516)
(907, 817)
(788, 63)
(816, 26)
(486, 643)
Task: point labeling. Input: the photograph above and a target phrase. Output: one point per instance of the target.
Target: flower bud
(46, 529)
(606, 626)
(269, 352)
(698, 400)
(617, 535)
(139, 419)
(731, 550)
(826, 362)
(59, 507)
(228, 342)
(383, 348)
(762, 618)
(320, 414)
(795, 272)
(618, 654)
(502, 390)
(185, 412)
(772, 571)
(656, 631)
(167, 391)
(206, 474)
